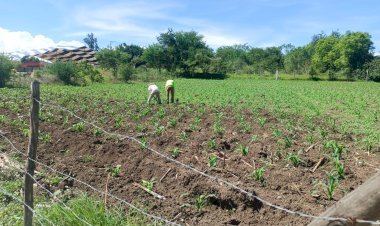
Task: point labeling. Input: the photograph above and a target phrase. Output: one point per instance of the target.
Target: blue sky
(34, 24)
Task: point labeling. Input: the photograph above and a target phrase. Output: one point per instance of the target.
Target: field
(301, 145)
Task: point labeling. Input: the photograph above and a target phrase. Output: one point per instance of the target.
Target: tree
(298, 60)
(373, 69)
(154, 56)
(235, 57)
(6, 67)
(91, 42)
(111, 59)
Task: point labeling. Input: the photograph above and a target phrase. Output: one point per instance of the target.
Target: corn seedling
(148, 184)
(183, 136)
(276, 133)
(212, 160)
(78, 127)
(288, 142)
(258, 175)
(261, 121)
(254, 138)
(45, 137)
(336, 148)
(330, 186)
(159, 130)
(143, 143)
(88, 158)
(212, 144)
(173, 122)
(294, 158)
(200, 202)
(243, 150)
(175, 152)
(97, 132)
(339, 168)
(115, 171)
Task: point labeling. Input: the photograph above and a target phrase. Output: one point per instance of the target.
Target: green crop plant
(45, 137)
(183, 136)
(200, 202)
(159, 130)
(261, 121)
(212, 160)
(161, 113)
(258, 174)
(97, 132)
(143, 143)
(149, 184)
(243, 150)
(118, 122)
(331, 186)
(173, 122)
(294, 158)
(339, 168)
(115, 171)
(254, 138)
(88, 158)
(2, 118)
(175, 152)
(288, 141)
(78, 127)
(212, 144)
(65, 120)
(55, 180)
(336, 148)
(276, 133)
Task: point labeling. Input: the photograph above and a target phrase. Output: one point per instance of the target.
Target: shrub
(125, 72)
(67, 72)
(6, 67)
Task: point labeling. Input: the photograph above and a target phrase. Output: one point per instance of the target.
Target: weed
(97, 132)
(276, 133)
(254, 138)
(55, 180)
(288, 142)
(261, 121)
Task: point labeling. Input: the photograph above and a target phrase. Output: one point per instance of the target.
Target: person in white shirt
(154, 91)
(169, 87)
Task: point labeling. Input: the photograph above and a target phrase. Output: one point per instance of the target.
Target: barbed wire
(214, 178)
(4, 191)
(93, 188)
(49, 192)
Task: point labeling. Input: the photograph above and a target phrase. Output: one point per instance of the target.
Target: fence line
(214, 178)
(49, 192)
(93, 188)
(2, 190)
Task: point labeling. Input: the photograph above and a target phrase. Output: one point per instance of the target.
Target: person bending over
(154, 91)
(169, 86)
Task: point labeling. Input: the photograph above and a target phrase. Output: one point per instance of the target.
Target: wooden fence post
(362, 203)
(32, 152)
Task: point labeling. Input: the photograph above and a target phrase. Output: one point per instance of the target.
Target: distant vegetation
(348, 56)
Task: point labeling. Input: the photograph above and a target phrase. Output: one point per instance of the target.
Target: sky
(36, 24)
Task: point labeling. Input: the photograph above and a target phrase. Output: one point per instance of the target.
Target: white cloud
(11, 41)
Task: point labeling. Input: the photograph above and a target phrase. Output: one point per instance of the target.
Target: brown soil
(88, 158)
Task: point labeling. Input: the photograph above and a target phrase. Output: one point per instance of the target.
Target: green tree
(154, 56)
(234, 57)
(373, 69)
(6, 67)
(91, 42)
(298, 60)
(111, 59)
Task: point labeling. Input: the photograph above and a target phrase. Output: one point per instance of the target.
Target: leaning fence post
(32, 152)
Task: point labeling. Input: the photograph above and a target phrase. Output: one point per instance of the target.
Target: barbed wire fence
(250, 195)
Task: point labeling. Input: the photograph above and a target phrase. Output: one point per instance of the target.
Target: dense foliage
(6, 67)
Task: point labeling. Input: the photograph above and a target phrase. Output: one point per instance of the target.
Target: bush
(6, 67)
(87, 70)
(125, 72)
(67, 72)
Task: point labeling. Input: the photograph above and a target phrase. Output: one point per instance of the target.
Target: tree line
(186, 53)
